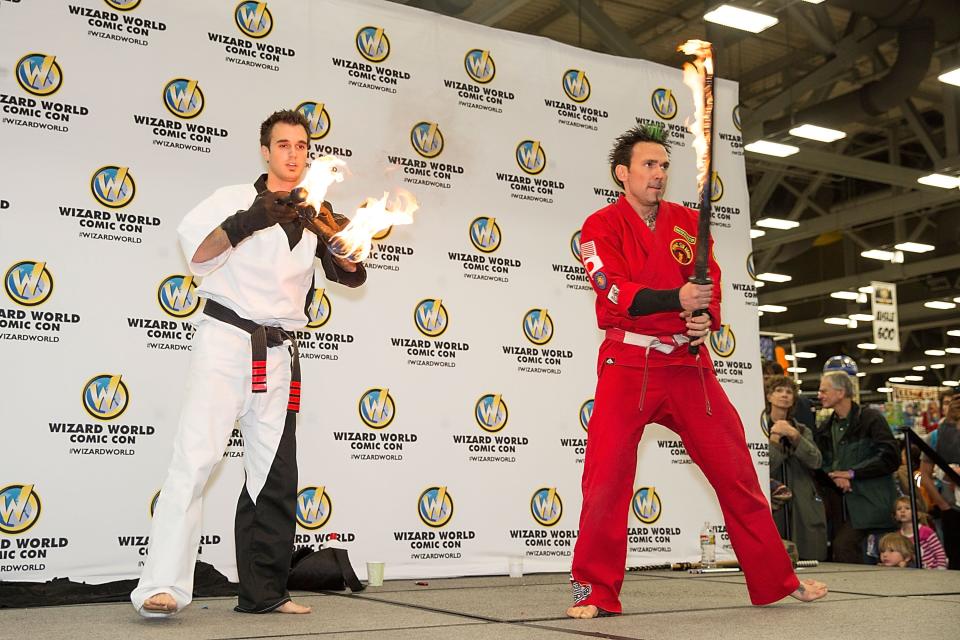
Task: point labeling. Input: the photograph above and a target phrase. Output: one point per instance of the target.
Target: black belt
(261, 337)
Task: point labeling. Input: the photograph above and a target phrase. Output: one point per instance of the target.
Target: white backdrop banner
(447, 401)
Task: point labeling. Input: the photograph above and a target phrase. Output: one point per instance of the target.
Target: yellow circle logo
(314, 507)
(105, 396)
(19, 508)
(435, 507)
(39, 74)
(646, 505)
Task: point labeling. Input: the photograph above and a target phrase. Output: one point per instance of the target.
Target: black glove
(266, 211)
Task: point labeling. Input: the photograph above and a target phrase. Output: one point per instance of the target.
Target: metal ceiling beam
(540, 24)
(919, 127)
(497, 10)
(606, 29)
(889, 273)
(817, 37)
(873, 209)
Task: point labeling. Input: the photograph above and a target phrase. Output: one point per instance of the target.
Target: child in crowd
(932, 555)
(895, 550)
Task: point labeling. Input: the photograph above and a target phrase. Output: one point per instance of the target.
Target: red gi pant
(674, 397)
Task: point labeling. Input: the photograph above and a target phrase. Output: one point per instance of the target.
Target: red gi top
(622, 256)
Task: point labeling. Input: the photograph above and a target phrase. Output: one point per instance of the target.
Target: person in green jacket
(793, 460)
(860, 456)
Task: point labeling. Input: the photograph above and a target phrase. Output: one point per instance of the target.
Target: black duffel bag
(326, 569)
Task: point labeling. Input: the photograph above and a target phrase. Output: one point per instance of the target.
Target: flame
(698, 76)
(353, 243)
(323, 172)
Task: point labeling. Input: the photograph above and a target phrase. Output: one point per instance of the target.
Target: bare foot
(292, 607)
(586, 611)
(809, 590)
(161, 603)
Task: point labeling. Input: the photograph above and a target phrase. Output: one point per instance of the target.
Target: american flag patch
(591, 261)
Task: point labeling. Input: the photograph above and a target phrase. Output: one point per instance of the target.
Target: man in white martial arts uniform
(257, 263)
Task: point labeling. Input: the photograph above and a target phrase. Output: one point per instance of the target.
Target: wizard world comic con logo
(723, 342)
(485, 234)
(123, 5)
(586, 412)
(716, 187)
(377, 408)
(546, 507)
(430, 317)
(113, 186)
(105, 396)
(253, 19)
(664, 103)
(491, 412)
(314, 507)
(435, 507)
(177, 296)
(576, 85)
(373, 43)
(427, 139)
(646, 505)
(531, 157)
(319, 310)
(575, 246)
(39, 74)
(479, 66)
(318, 117)
(28, 283)
(183, 98)
(538, 326)
(19, 508)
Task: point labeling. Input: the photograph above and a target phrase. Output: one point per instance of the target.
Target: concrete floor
(864, 602)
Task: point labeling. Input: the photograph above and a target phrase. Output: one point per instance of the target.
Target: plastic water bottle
(708, 547)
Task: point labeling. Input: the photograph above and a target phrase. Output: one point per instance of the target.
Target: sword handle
(694, 350)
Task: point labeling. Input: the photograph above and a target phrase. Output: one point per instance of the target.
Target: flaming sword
(698, 76)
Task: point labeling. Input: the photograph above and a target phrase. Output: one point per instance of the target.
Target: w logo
(435, 507)
(177, 296)
(105, 396)
(531, 157)
(313, 507)
(377, 408)
(716, 187)
(183, 98)
(373, 44)
(723, 342)
(576, 85)
(28, 283)
(123, 5)
(113, 186)
(751, 267)
(485, 234)
(736, 117)
(319, 309)
(538, 326)
(430, 316)
(479, 65)
(546, 506)
(491, 412)
(586, 412)
(253, 19)
(646, 505)
(39, 74)
(427, 139)
(19, 508)
(575, 246)
(664, 103)
(316, 114)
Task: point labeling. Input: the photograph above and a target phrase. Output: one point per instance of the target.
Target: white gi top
(262, 278)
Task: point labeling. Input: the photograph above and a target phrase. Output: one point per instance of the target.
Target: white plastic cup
(375, 574)
(515, 567)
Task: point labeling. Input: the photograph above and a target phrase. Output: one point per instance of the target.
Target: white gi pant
(218, 393)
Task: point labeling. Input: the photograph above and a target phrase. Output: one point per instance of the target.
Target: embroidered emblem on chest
(683, 234)
(681, 251)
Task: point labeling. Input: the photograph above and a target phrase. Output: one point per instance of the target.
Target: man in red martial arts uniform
(639, 253)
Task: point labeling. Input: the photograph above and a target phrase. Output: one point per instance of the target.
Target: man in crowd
(946, 442)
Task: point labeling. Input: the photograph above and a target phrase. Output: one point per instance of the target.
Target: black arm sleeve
(648, 301)
(334, 273)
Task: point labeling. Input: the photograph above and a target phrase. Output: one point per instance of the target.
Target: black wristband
(647, 301)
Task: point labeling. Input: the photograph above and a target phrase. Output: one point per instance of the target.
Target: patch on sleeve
(591, 261)
(600, 279)
(614, 294)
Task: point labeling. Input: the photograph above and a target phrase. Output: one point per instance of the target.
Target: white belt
(648, 342)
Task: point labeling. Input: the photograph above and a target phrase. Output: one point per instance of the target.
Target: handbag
(326, 569)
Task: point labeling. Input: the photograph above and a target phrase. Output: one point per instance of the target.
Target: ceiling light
(951, 383)
(845, 295)
(896, 379)
(876, 360)
(954, 332)
(789, 358)
(777, 223)
(913, 378)
(756, 233)
(866, 345)
(950, 77)
(772, 148)
(957, 299)
(935, 352)
(796, 369)
(867, 289)
(884, 390)
(919, 367)
(759, 313)
(914, 247)
(838, 321)
(774, 277)
(740, 18)
(939, 365)
(940, 180)
(813, 1)
(772, 308)
(940, 304)
(954, 350)
(757, 283)
(805, 354)
(862, 317)
(820, 134)
(883, 254)
(861, 374)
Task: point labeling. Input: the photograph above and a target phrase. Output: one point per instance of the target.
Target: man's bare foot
(161, 603)
(809, 590)
(586, 611)
(292, 607)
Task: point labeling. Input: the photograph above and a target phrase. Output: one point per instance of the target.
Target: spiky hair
(623, 145)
